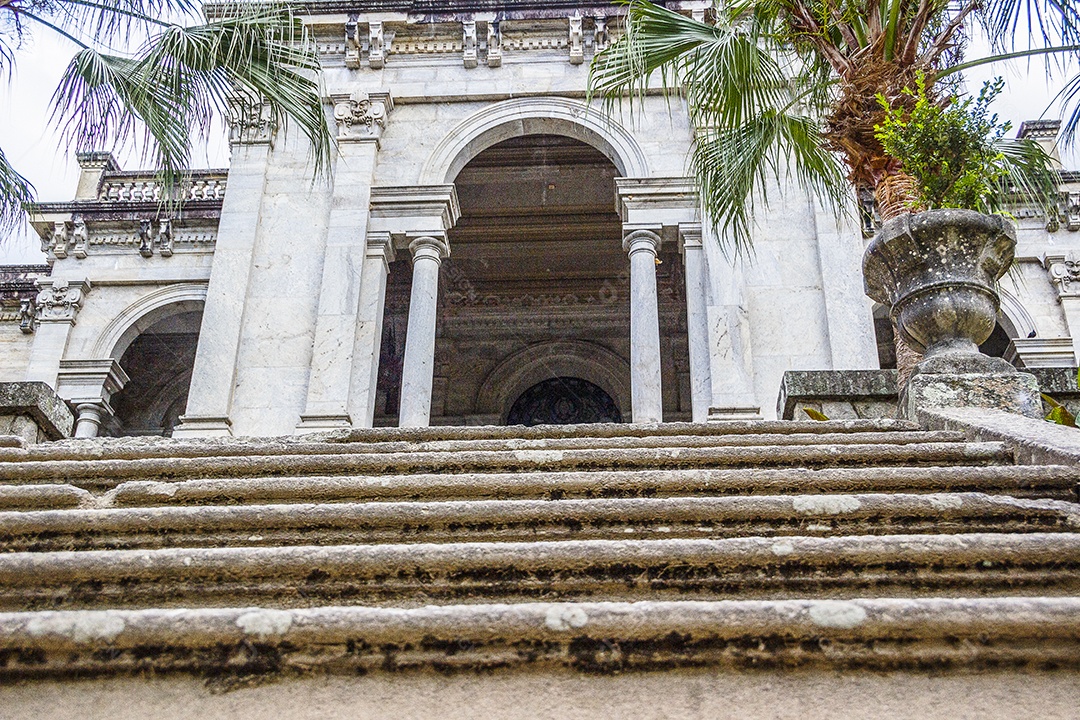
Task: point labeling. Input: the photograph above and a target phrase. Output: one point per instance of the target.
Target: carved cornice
(60, 300)
(360, 115)
(414, 210)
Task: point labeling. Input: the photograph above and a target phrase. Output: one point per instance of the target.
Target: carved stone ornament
(376, 47)
(250, 121)
(600, 33)
(165, 238)
(494, 44)
(1065, 273)
(361, 115)
(146, 240)
(81, 237)
(28, 315)
(58, 241)
(352, 44)
(60, 300)
(577, 41)
(468, 43)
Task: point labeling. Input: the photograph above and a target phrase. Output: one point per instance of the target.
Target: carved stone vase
(937, 271)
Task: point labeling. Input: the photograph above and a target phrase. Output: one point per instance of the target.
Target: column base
(318, 423)
(200, 426)
(720, 414)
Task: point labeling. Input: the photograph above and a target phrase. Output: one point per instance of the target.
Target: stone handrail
(122, 188)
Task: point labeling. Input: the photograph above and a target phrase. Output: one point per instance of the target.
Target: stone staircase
(607, 547)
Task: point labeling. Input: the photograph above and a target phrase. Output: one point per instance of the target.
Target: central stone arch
(533, 116)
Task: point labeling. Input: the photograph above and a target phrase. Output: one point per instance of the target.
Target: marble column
(213, 378)
(89, 419)
(369, 320)
(645, 396)
(88, 386)
(697, 320)
(419, 361)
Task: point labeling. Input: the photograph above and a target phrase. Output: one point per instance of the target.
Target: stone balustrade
(209, 185)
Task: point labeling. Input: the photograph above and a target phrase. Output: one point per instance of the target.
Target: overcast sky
(33, 146)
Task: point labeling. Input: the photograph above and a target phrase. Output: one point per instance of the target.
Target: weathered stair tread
(40, 497)
(524, 520)
(332, 442)
(882, 634)
(105, 473)
(1051, 481)
(894, 437)
(983, 563)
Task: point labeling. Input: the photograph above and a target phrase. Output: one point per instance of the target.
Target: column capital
(429, 246)
(90, 381)
(380, 246)
(641, 238)
(361, 116)
(689, 235)
(1064, 273)
(60, 300)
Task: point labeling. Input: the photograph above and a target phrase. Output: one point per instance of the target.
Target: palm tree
(246, 57)
(792, 86)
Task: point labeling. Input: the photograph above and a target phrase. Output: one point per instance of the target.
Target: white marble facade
(290, 271)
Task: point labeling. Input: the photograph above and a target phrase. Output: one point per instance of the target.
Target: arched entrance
(563, 401)
(536, 259)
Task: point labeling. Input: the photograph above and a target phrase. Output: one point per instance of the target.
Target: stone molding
(427, 246)
(136, 317)
(638, 239)
(413, 210)
(1044, 352)
(667, 201)
(380, 246)
(361, 115)
(537, 115)
(690, 236)
(90, 381)
(60, 300)
(1064, 273)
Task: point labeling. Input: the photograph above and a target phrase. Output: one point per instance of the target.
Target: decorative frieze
(361, 115)
(577, 41)
(468, 44)
(60, 300)
(1065, 273)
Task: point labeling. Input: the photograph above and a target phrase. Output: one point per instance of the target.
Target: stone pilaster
(419, 361)
(697, 319)
(56, 307)
(214, 376)
(1064, 273)
(646, 401)
(367, 342)
(361, 118)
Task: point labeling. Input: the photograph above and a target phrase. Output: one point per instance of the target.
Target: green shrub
(949, 147)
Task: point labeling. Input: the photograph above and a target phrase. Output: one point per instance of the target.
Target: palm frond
(1030, 179)
(100, 22)
(15, 193)
(1042, 22)
(173, 87)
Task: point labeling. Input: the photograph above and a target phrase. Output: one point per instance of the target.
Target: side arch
(533, 116)
(144, 312)
(560, 358)
(1015, 314)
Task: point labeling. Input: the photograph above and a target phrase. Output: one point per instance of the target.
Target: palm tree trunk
(895, 195)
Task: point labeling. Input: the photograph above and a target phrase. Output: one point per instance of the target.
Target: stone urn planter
(937, 271)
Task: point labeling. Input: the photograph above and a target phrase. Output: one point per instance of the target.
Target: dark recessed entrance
(563, 401)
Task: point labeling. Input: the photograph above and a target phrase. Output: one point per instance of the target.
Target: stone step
(1036, 481)
(408, 438)
(43, 497)
(879, 634)
(101, 474)
(526, 520)
(108, 450)
(743, 568)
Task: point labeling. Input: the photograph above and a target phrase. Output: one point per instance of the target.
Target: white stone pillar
(88, 385)
(645, 395)
(419, 361)
(213, 378)
(369, 321)
(56, 306)
(697, 320)
(327, 404)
